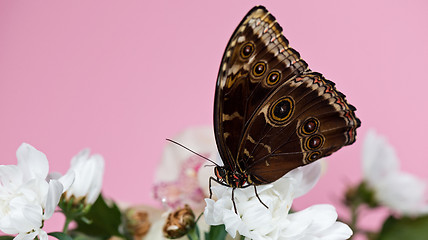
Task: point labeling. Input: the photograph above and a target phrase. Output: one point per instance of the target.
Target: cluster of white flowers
(254, 221)
(29, 194)
(401, 192)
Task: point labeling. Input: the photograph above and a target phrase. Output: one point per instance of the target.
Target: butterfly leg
(233, 200)
(211, 192)
(217, 181)
(257, 195)
(233, 192)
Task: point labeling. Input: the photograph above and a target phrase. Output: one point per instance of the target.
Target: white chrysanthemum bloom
(254, 221)
(400, 191)
(27, 199)
(89, 171)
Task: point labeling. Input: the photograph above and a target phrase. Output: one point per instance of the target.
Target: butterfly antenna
(190, 150)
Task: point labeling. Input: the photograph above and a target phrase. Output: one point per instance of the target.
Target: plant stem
(354, 218)
(354, 210)
(67, 222)
(192, 234)
(197, 219)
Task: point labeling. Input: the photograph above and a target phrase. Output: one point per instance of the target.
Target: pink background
(121, 76)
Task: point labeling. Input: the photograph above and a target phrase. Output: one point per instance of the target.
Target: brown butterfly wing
(240, 90)
(271, 113)
(305, 119)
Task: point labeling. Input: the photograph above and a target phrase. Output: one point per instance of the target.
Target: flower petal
(83, 154)
(26, 236)
(402, 192)
(54, 194)
(234, 223)
(43, 235)
(210, 217)
(11, 178)
(317, 222)
(33, 162)
(199, 139)
(67, 180)
(84, 171)
(313, 219)
(337, 231)
(97, 180)
(379, 158)
(25, 216)
(308, 177)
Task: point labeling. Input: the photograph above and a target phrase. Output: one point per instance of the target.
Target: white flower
(27, 199)
(181, 177)
(400, 191)
(256, 222)
(88, 170)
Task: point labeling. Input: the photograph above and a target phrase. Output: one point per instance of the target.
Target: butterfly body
(271, 112)
(233, 179)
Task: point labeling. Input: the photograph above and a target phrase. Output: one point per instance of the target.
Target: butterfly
(272, 113)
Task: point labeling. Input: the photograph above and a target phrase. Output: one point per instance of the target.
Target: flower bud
(360, 194)
(137, 223)
(179, 223)
(88, 170)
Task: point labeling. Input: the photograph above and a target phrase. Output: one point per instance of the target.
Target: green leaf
(60, 236)
(82, 236)
(216, 233)
(405, 228)
(104, 221)
(6, 237)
